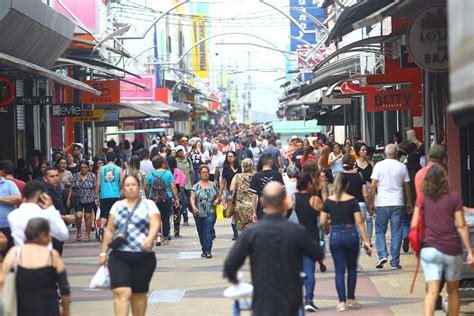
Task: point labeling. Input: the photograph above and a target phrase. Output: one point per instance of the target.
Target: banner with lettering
(393, 100)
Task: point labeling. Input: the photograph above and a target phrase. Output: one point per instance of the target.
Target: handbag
(415, 238)
(121, 237)
(9, 295)
(230, 209)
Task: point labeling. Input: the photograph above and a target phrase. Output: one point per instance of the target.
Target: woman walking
(443, 223)
(83, 187)
(357, 186)
(133, 169)
(161, 188)
(132, 228)
(307, 208)
(365, 168)
(65, 180)
(39, 272)
(204, 198)
(196, 159)
(335, 160)
(343, 211)
(243, 198)
(72, 166)
(230, 168)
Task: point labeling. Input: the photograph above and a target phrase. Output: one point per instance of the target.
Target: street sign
(33, 100)
(63, 110)
(7, 92)
(310, 28)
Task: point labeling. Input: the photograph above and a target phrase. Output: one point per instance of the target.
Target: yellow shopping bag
(219, 212)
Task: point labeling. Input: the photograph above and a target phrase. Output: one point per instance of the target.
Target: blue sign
(310, 28)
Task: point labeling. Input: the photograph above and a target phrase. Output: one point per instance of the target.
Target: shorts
(132, 270)
(85, 207)
(435, 263)
(105, 206)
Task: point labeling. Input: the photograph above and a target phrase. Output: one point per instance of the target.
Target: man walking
(389, 179)
(9, 197)
(259, 181)
(273, 150)
(275, 247)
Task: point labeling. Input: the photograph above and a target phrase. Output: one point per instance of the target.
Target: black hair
(309, 150)
(48, 169)
(226, 164)
(154, 152)
(158, 162)
(328, 174)
(266, 159)
(111, 144)
(126, 144)
(134, 162)
(399, 136)
(111, 156)
(8, 167)
(358, 147)
(32, 187)
(410, 148)
(84, 162)
(303, 181)
(145, 153)
(35, 228)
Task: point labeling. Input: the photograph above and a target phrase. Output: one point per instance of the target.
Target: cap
(169, 137)
(184, 138)
(294, 137)
(79, 145)
(178, 148)
(437, 152)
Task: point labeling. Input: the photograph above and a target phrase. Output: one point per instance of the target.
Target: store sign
(199, 53)
(34, 100)
(392, 100)
(91, 116)
(63, 110)
(7, 92)
(427, 39)
(110, 92)
(130, 92)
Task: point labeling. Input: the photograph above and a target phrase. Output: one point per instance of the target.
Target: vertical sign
(199, 53)
(310, 27)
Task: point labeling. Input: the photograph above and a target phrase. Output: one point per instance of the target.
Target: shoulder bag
(121, 237)
(230, 209)
(416, 239)
(9, 294)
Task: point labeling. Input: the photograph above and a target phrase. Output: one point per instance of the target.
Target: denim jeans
(344, 246)
(205, 229)
(369, 226)
(165, 211)
(196, 176)
(310, 280)
(406, 221)
(384, 215)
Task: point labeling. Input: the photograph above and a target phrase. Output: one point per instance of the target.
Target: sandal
(78, 238)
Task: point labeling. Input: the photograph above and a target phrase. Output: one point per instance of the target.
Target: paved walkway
(185, 284)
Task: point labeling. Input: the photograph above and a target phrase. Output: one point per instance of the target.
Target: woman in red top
(443, 224)
(308, 155)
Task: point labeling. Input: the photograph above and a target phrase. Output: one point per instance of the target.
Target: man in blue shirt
(9, 197)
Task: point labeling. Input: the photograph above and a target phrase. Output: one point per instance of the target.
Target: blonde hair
(247, 165)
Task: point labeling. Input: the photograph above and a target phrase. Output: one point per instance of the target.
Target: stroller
(466, 286)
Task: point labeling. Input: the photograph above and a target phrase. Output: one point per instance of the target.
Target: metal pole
(426, 111)
(386, 132)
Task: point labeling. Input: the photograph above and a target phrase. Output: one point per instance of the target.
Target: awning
(137, 131)
(331, 118)
(102, 64)
(352, 14)
(296, 127)
(312, 98)
(33, 69)
(140, 110)
(33, 31)
(183, 107)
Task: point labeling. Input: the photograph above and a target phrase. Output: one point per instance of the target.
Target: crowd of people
(291, 195)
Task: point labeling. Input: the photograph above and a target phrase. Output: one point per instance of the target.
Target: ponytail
(340, 184)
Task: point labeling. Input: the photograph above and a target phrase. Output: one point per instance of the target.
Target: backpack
(159, 193)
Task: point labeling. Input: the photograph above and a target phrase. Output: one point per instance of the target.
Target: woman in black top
(357, 187)
(307, 208)
(229, 169)
(343, 210)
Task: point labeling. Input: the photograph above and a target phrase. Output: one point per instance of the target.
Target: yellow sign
(200, 60)
(91, 116)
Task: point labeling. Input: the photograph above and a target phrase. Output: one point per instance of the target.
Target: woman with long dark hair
(444, 227)
(308, 155)
(230, 168)
(343, 211)
(134, 170)
(307, 208)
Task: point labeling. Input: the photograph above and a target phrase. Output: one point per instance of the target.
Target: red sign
(7, 92)
(393, 100)
(110, 92)
(349, 87)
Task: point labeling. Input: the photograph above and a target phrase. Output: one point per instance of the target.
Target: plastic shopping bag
(101, 279)
(220, 212)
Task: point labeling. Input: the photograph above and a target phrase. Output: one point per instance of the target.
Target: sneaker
(380, 263)
(234, 237)
(399, 267)
(322, 267)
(177, 235)
(158, 241)
(310, 307)
(186, 223)
(208, 255)
(203, 254)
(169, 237)
(166, 242)
(405, 245)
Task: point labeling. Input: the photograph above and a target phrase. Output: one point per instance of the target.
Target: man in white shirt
(389, 180)
(212, 158)
(36, 204)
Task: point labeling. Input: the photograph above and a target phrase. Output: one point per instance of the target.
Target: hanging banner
(199, 53)
(110, 92)
(427, 39)
(393, 100)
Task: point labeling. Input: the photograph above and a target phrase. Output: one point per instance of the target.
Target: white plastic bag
(97, 214)
(101, 279)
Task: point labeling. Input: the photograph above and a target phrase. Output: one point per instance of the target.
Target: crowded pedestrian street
(236, 157)
(186, 284)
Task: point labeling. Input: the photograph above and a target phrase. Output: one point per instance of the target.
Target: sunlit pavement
(194, 286)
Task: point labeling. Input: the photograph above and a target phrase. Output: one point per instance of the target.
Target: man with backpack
(184, 164)
(160, 188)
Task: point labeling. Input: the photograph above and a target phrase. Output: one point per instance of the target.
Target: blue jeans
(344, 246)
(406, 223)
(386, 214)
(369, 225)
(310, 280)
(205, 229)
